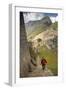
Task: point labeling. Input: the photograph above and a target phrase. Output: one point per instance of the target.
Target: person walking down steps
(43, 63)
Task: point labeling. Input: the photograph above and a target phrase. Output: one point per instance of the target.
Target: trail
(38, 72)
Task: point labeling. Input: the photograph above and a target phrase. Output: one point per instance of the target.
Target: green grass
(33, 34)
(51, 57)
(37, 31)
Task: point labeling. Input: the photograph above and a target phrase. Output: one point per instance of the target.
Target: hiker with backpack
(43, 63)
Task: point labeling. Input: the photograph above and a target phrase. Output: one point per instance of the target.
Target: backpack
(43, 61)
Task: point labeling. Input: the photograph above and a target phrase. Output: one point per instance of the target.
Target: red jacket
(43, 62)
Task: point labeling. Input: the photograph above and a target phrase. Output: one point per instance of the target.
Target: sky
(29, 16)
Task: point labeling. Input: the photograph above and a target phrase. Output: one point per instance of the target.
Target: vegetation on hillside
(49, 54)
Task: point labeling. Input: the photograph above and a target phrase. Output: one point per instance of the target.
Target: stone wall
(24, 50)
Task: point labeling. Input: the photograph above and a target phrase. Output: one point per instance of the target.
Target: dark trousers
(43, 66)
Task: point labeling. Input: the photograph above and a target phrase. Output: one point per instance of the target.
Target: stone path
(38, 72)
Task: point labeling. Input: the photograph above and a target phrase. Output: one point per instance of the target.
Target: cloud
(53, 19)
(32, 16)
(29, 16)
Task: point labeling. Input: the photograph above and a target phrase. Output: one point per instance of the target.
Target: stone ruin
(25, 59)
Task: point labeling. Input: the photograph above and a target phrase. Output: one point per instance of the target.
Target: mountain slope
(42, 29)
(38, 25)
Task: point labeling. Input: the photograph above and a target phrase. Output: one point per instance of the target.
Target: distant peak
(46, 20)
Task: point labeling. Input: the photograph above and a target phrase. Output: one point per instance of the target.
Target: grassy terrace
(51, 57)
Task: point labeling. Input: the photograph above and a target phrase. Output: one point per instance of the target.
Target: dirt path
(38, 72)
